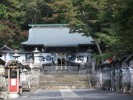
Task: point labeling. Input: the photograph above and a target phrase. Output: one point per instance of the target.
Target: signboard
(13, 85)
(106, 74)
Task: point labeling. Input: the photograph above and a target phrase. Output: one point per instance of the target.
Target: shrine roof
(13, 64)
(55, 35)
(6, 49)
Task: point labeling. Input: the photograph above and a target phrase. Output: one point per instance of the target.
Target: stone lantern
(37, 61)
(16, 55)
(36, 53)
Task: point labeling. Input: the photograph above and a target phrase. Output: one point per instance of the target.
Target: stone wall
(34, 77)
(4, 87)
(2, 80)
(34, 81)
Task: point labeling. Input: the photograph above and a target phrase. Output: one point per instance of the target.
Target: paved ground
(79, 94)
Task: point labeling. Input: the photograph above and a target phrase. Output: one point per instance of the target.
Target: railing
(60, 68)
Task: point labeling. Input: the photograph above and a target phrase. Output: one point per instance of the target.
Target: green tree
(11, 10)
(10, 34)
(3, 12)
(11, 21)
(60, 9)
(108, 21)
(117, 17)
(37, 11)
(82, 16)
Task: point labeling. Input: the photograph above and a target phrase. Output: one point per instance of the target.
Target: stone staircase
(63, 81)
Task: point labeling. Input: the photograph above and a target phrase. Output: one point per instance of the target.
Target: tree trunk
(98, 46)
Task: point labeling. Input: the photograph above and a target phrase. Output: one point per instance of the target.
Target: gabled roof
(6, 49)
(55, 36)
(13, 64)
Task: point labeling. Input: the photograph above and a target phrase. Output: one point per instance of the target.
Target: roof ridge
(5, 46)
(48, 25)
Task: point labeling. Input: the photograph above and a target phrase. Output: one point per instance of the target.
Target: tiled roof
(55, 37)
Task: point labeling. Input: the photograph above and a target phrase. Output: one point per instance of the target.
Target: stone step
(60, 75)
(63, 77)
(61, 85)
(64, 81)
(60, 81)
(45, 83)
(54, 81)
(57, 87)
(77, 77)
(64, 87)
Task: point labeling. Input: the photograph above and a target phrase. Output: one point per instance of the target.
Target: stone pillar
(93, 65)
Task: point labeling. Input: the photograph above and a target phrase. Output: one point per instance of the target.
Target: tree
(117, 16)
(10, 34)
(82, 16)
(11, 10)
(60, 8)
(3, 12)
(37, 11)
(107, 21)
(10, 24)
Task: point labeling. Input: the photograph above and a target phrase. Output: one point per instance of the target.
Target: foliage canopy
(109, 22)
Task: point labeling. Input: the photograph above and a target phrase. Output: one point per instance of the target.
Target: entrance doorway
(61, 59)
(61, 62)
